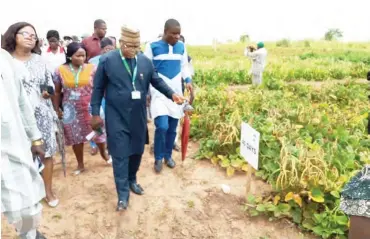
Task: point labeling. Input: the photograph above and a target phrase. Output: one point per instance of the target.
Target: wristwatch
(37, 142)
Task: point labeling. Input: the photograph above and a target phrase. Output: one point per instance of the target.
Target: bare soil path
(183, 203)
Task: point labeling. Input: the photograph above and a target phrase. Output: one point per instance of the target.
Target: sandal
(94, 151)
(78, 171)
(54, 203)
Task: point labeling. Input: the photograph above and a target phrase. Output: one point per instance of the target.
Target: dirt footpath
(186, 202)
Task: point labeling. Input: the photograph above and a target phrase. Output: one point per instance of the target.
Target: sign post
(249, 149)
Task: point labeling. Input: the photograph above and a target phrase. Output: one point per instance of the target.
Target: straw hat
(130, 35)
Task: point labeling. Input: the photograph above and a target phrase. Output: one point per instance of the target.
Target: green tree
(244, 38)
(333, 34)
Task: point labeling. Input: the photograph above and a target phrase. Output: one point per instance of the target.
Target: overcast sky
(201, 20)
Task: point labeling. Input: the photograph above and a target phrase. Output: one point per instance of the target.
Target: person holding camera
(258, 56)
(22, 42)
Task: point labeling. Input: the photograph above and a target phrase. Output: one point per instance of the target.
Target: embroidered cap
(130, 35)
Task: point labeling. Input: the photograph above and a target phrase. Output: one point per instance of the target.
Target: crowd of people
(89, 86)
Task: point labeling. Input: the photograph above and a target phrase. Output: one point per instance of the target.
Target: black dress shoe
(170, 163)
(39, 235)
(136, 188)
(158, 165)
(122, 205)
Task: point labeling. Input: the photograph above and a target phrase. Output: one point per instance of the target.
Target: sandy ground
(186, 202)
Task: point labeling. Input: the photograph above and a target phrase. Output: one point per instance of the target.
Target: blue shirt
(95, 61)
(168, 59)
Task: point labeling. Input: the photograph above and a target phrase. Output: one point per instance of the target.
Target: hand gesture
(178, 99)
(189, 87)
(96, 122)
(45, 95)
(38, 150)
(60, 114)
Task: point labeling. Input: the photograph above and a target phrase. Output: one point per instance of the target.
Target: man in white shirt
(54, 54)
(191, 71)
(170, 59)
(258, 61)
(22, 187)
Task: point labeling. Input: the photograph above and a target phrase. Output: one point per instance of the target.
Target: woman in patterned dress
(75, 78)
(355, 202)
(22, 43)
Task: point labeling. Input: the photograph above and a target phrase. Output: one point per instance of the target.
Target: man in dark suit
(124, 76)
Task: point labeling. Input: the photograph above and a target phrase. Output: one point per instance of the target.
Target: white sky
(201, 20)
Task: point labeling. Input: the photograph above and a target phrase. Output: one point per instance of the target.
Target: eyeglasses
(135, 48)
(27, 34)
(131, 47)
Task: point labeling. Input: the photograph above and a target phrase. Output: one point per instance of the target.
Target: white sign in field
(249, 145)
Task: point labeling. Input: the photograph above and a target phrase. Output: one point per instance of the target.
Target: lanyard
(76, 75)
(133, 76)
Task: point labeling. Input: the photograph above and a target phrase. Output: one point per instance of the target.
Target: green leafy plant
(321, 61)
(312, 142)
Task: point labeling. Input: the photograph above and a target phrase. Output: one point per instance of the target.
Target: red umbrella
(185, 136)
(185, 130)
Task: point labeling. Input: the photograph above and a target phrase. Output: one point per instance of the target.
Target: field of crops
(312, 139)
(310, 61)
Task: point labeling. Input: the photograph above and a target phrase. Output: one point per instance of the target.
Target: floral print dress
(76, 102)
(44, 111)
(355, 199)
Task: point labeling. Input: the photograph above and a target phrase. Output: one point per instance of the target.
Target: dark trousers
(124, 170)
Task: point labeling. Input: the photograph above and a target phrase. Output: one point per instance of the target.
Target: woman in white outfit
(22, 187)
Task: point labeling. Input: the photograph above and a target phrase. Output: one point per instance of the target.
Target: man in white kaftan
(22, 187)
(258, 62)
(170, 59)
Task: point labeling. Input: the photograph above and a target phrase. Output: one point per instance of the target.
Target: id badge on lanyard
(135, 94)
(75, 94)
